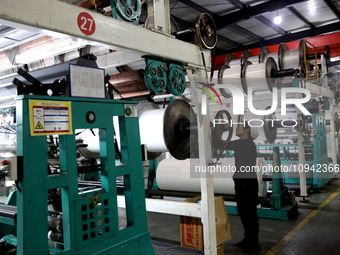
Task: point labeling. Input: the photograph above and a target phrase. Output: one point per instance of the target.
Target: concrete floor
(319, 234)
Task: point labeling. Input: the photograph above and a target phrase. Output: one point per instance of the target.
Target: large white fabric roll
(174, 175)
(151, 130)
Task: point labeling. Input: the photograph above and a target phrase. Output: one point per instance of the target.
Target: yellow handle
(93, 2)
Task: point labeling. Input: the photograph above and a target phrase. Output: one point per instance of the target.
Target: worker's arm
(230, 146)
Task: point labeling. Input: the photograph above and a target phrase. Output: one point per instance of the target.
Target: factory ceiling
(241, 24)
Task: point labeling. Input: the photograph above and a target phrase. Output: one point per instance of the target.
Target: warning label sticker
(50, 117)
(94, 199)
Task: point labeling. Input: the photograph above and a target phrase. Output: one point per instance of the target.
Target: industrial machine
(90, 221)
(304, 67)
(57, 164)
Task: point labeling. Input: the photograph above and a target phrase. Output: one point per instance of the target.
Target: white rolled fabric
(174, 175)
(256, 77)
(291, 59)
(151, 130)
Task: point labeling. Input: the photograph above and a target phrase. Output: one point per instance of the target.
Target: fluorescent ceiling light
(277, 19)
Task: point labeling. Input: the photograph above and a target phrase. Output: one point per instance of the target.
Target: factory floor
(316, 230)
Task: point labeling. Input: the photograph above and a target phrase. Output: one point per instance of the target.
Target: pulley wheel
(179, 120)
(155, 77)
(176, 84)
(223, 132)
(206, 31)
(129, 10)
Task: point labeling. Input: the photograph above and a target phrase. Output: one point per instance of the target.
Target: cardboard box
(192, 228)
(220, 250)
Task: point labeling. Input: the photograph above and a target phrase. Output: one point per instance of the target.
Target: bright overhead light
(277, 19)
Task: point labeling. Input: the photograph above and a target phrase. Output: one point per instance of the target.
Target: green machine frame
(88, 227)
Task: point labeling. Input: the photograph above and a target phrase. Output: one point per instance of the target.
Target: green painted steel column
(32, 189)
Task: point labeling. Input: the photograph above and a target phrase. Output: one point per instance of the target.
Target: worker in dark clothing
(246, 185)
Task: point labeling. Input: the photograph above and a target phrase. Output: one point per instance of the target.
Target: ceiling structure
(247, 24)
(241, 24)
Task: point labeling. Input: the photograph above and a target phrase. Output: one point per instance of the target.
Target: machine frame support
(48, 16)
(159, 16)
(207, 184)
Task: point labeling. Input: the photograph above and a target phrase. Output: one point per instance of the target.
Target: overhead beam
(290, 37)
(301, 17)
(254, 11)
(220, 37)
(237, 3)
(197, 7)
(13, 13)
(333, 8)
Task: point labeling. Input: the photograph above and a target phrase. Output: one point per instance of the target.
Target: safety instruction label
(50, 117)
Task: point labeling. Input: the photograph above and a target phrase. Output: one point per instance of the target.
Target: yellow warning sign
(50, 117)
(39, 126)
(95, 199)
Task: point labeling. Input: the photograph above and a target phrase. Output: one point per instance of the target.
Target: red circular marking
(86, 23)
(227, 105)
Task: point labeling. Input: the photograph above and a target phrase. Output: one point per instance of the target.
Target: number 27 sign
(86, 23)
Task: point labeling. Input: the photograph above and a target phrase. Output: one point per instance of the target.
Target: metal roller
(274, 55)
(264, 51)
(261, 76)
(227, 75)
(269, 131)
(248, 56)
(232, 61)
(168, 129)
(129, 82)
(178, 119)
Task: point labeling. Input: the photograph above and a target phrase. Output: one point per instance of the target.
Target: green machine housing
(90, 226)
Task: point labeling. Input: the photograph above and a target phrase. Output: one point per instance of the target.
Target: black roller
(178, 118)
